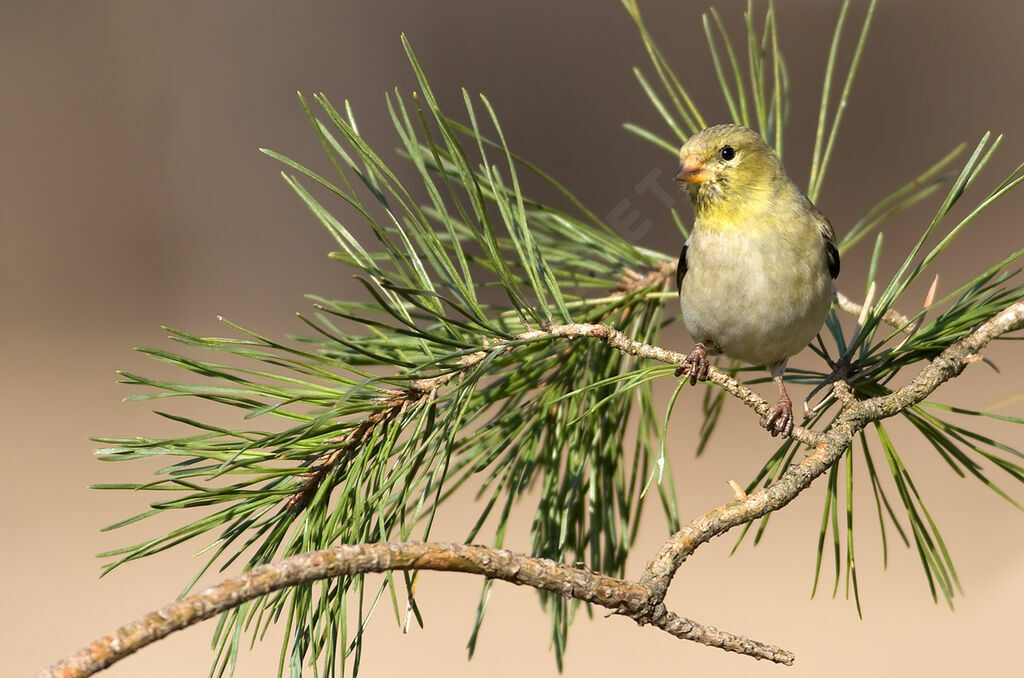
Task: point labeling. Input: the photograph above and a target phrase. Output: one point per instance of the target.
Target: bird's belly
(758, 308)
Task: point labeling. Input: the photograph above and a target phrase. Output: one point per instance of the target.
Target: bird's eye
(727, 153)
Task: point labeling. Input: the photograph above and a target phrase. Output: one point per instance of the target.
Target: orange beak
(692, 170)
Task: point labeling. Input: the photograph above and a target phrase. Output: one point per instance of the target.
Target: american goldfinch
(755, 275)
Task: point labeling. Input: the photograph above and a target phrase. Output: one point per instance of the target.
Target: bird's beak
(692, 170)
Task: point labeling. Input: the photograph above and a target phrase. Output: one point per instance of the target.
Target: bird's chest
(759, 297)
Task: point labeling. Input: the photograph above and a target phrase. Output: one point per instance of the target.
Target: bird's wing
(681, 266)
(829, 238)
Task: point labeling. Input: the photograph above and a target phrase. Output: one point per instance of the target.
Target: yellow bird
(755, 275)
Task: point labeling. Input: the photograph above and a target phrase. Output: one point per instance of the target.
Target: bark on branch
(833, 443)
(641, 600)
(620, 596)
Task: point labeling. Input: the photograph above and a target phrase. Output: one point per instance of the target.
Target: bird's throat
(716, 207)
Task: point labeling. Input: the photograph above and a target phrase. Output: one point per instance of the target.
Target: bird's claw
(695, 365)
(780, 420)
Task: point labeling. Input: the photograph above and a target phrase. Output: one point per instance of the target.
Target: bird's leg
(695, 364)
(780, 419)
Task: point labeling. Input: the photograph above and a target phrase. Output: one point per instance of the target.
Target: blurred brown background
(132, 195)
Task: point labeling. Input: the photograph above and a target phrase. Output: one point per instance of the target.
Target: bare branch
(622, 597)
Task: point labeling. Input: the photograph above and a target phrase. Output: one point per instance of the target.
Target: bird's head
(727, 164)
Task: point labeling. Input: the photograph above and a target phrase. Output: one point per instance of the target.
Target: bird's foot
(695, 365)
(780, 420)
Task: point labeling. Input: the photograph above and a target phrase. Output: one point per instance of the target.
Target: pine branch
(397, 401)
(420, 391)
(482, 357)
(836, 440)
(621, 596)
(642, 600)
(425, 389)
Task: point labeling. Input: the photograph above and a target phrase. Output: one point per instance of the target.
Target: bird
(755, 275)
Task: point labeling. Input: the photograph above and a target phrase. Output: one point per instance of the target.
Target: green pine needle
(431, 380)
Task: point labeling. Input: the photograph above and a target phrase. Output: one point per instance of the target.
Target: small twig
(843, 393)
(348, 444)
(625, 344)
(630, 281)
(419, 391)
(892, 317)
